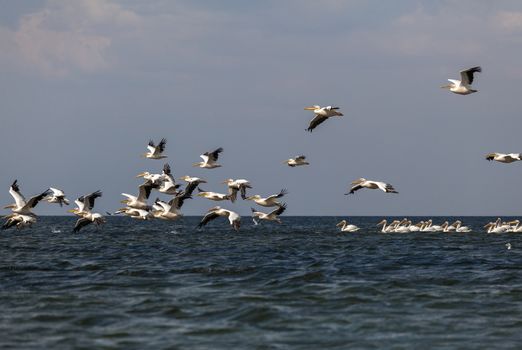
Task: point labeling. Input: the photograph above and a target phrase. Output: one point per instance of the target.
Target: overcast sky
(85, 84)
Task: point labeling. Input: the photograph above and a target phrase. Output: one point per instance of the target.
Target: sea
(299, 285)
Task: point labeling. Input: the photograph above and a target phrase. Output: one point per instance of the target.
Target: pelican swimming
(345, 227)
(272, 216)
(85, 203)
(321, 114)
(192, 183)
(209, 159)
(21, 206)
(363, 183)
(270, 201)
(387, 228)
(139, 202)
(459, 228)
(215, 212)
(463, 86)
(214, 196)
(156, 152)
(237, 185)
(57, 196)
(504, 158)
(297, 161)
(497, 227)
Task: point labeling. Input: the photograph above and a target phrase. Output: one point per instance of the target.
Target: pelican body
(345, 227)
(297, 161)
(272, 216)
(233, 218)
(363, 183)
(270, 201)
(321, 114)
(463, 86)
(504, 158)
(209, 159)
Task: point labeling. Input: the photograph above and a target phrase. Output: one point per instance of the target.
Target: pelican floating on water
(504, 158)
(363, 183)
(21, 206)
(209, 159)
(321, 114)
(270, 201)
(297, 161)
(345, 227)
(156, 152)
(463, 86)
(215, 212)
(272, 216)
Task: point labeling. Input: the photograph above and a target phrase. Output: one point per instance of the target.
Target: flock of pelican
(138, 206)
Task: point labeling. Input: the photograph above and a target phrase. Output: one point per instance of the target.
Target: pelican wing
(14, 191)
(33, 201)
(177, 202)
(88, 200)
(315, 122)
(82, 222)
(151, 147)
(144, 190)
(467, 75)
(161, 146)
(354, 188)
(279, 195)
(280, 210)
(191, 186)
(57, 192)
(207, 218)
(300, 158)
(214, 155)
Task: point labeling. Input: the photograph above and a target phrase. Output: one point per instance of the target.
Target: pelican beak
(123, 201)
(140, 175)
(311, 108)
(249, 198)
(445, 86)
(196, 164)
(340, 114)
(71, 211)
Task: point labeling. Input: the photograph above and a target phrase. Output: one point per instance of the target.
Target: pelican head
(383, 222)
(10, 206)
(343, 222)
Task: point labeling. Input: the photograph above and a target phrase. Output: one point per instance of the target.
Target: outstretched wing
(280, 210)
(177, 202)
(88, 200)
(33, 201)
(279, 195)
(467, 75)
(145, 189)
(315, 122)
(82, 222)
(354, 188)
(300, 158)
(207, 218)
(151, 146)
(213, 156)
(14, 190)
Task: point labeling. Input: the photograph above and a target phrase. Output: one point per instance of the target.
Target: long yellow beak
(309, 108)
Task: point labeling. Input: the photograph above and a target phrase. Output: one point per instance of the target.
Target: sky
(85, 84)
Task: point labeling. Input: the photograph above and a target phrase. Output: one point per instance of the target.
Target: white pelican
(138, 214)
(85, 203)
(463, 86)
(504, 158)
(498, 227)
(209, 159)
(57, 196)
(363, 183)
(272, 216)
(213, 213)
(270, 201)
(139, 202)
(459, 228)
(387, 228)
(214, 196)
(192, 183)
(169, 185)
(19, 220)
(321, 114)
(402, 227)
(21, 206)
(170, 210)
(345, 227)
(237, 185)
(156, 152)
(91, 218)
(433, 228)
(297, 161)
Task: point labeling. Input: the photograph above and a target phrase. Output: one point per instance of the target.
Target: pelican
(463, 86)
(170, 210)
(139, 202)
(459, 228)
(156, 152)
(91, 218)
(497, 227)
(85, 203)
(401, 227)
(215, 212)
(20, 221)
(139, 214)
(385, 227)
(517, 227)
(21, 206)
(297, 161)
(192, 183)
(363, 183)
(345, 227)
(270, 201)
(209, 159)
(272, 216)
(168, 186)
(321, 114)
(214, 196)
(57, 196)
(237, 185)
(433, 228)
(504, 158)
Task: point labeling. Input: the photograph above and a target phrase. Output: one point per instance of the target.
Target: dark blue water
(301, 285)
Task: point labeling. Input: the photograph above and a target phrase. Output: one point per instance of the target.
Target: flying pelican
(363, 183)
(215, 212)
(214, 196)
(19, 220)
(57, 196)
(272, 216)
(91, 218)
(139, 202)
(170, 210)
(270, 201)
(345, 227)
(237, 185)
(85, 203)
(463, 86)
(321, 114)
(168, 186)
(192, 183)
(21, 206)
(504, 158)
(156, 152)
(297, 161)
(209, 159)
(139, 214)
